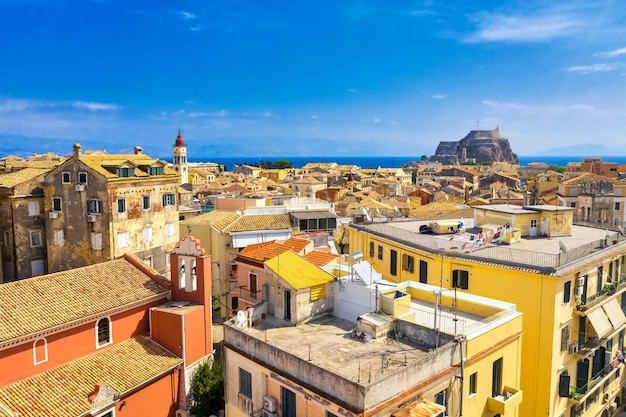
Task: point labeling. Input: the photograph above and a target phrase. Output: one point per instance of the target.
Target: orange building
(103, 340)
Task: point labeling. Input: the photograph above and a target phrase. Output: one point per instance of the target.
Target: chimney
(138, 150)
(78, 150)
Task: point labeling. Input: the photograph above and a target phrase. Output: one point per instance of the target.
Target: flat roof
(544, 254)
(332, 344)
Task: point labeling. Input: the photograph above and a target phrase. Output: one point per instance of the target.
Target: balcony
(592, 389)
(610, 290)
(505, 403)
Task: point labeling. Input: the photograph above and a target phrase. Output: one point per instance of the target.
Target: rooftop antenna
(477, 124)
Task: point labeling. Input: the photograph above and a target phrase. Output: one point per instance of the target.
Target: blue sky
(326, 77)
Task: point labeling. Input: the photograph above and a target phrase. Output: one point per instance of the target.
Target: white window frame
(147, 234)
(110, 324)
(96, 241)
(80, 173)
(122, 239)
(59, 237)
(7, 239)
(63, 174)
(45, 351)
(38, 261)
(33, 208)
(169, 229)
(35, 233)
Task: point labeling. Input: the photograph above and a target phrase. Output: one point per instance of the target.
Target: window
(599, 279)
(59, 238)
(7, 239)
(156, 171)
(148, 260)
(245, 383)
(103, 332)
(82, 178)
(564, 381)
(56, 204)
(371, 249)
(40, 351)
(423, 272)
(380, 253)
(393, 266)
(496, 378)
(567, 291)
(96, 241)
(441, 398)
(122, 239)
(146, 202)
(35, 238)
(460, 279)
(329, 414)
(572, 204)
(169, 199)
(94, 206)
(37, 267)
(5, 208)
(564, 338)
(234, 303)
(66, 177)
(33, 208)
(287, 403)
(472, 384)
(617, 206)
(253, 281)
(147, 234)
(126, 172)
(169, 229)
(121, 205)
(407, 263)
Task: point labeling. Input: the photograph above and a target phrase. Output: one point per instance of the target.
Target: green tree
(556, 168)
(207, 391)
(282, 164)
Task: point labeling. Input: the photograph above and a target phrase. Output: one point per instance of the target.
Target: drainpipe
(459, 340)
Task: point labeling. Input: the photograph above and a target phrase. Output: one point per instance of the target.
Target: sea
(380, 161)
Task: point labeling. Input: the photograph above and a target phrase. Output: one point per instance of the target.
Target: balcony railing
(249, 295)
(505, 403)
(592, 389)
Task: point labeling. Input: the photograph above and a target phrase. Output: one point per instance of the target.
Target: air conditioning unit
(182, 413)
(580, 281)
(92, 218)
(269, 413)
(269, 403)
(573, 348)
(54, 214)
(80, 187)
(579, 290)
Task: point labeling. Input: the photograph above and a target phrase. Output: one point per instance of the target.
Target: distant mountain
(587, 149)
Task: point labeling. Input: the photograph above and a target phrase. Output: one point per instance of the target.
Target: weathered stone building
(100, 206)
(22, 224)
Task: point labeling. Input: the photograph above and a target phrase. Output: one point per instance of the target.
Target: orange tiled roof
(97, 162)
(263, 251)
(36, 304)
(259, 222)
(64, 391)
(296, 244)
(320, 258)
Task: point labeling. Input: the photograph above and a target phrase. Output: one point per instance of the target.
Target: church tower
(180, 158)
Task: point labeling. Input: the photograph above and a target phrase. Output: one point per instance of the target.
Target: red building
(103, 340)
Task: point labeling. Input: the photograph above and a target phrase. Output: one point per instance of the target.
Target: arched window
(103, 332)
(40, 351)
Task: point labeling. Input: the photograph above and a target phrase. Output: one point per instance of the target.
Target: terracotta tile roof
(589, 177)
(420, 408)
(64, 391)
(217, 218)
(297, 271)
(296, 244)
(36, 304)
(97, 162)
(13, 179)
(320, 258)
(259, 222)
(263, 251)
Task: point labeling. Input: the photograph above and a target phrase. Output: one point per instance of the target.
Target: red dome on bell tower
(179, 139)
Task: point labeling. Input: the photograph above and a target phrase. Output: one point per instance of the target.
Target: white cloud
(95, 106)
(592, 68)
(352, 90)
(612, 54)
(438, 96)
(197, 28)
(519, 27)
(544, 110)
(376, 120)
(185, 15)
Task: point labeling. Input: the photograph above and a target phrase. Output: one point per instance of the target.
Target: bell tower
(180, 159)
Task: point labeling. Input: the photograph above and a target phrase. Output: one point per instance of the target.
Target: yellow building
(319, 346)
(566, 279)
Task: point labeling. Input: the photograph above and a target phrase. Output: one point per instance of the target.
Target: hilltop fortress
(479, 146)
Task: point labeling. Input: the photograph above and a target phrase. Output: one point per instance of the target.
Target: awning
(306, 215)
(615, 313)
(600, 322)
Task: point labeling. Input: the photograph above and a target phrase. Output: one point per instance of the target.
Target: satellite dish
(562, 247)
(621, 229)
(242, 317)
